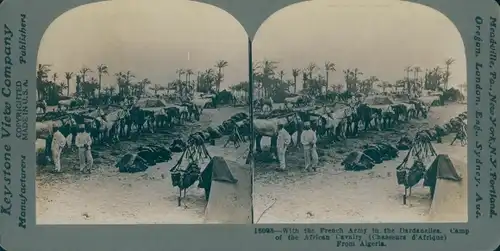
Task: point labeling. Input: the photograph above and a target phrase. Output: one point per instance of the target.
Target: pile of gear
(421, 148)
(370, 155)
(193, 148)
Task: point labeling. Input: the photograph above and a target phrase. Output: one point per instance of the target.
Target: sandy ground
(109, 197)
(332, 195)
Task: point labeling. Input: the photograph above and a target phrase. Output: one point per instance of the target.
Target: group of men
(308, 141)
(82, 142)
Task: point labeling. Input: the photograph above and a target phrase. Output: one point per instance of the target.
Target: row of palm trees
(269, 79)
(315, 79)
(206, 80)
(50, 86)
(434, 79)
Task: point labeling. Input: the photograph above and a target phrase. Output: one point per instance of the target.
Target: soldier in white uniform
(308, 140)
(58, 143)
(283, 141)
(83, 142)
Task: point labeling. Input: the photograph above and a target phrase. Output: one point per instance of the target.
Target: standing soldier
(461, 133)
(58, 143)
(83, 141)
(308, 140)
(235, 136)
(283, 141)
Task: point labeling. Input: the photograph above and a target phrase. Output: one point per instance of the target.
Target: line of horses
(111, 123)
(341, 120)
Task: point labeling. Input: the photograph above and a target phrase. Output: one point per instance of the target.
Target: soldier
(308, 140)
(58, 143)
(283, 141)
(83, 142)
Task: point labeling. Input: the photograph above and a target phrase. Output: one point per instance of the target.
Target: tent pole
(404, 196)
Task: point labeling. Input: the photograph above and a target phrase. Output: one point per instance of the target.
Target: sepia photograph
(139, 109)
(360, 115)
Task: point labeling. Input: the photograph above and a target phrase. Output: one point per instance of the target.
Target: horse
(41, 104)
(260, 103)
(74, 103)
(173, 113)
(269, 128)
(368, 115)
(297, 101)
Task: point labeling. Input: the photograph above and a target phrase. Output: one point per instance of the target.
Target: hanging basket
(401, 176)
(176, 178)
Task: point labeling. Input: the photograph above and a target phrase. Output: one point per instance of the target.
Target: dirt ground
(332, 195)
(109, 197)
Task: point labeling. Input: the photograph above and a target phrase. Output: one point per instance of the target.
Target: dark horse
(42, 105)
(367, 114)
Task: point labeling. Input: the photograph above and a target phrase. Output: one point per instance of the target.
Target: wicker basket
(176, 178)
(401, 176)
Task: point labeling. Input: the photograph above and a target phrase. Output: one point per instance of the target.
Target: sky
(154, 38)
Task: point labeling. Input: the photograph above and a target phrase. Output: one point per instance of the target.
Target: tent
(229, 190)
(378, 100)
(441, 168)
(151, 103)
(449, 189)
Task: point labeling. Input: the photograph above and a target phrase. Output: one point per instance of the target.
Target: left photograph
(142, 116)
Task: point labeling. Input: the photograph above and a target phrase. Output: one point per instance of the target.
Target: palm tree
(416, 71)
(124, 81)
(55, 76)
(43, 71)
(142, 85)
(180, 73)
(83, 72)
(281, 74)
(128, 77)
(329, 66)
(189, 73)
(68, 76)
(63, 86)
(295, 74)
(268, 70)
(407, 70)
(447, 74)
(102, 69)
(310, 69)
(220, 65)
(352, 78)
(384, 85)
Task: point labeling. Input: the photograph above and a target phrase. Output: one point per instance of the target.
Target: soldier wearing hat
(308, 140)
(282, 143)
(83, 142)
(58, 143)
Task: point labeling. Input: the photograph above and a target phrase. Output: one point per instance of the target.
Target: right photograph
(360, 115)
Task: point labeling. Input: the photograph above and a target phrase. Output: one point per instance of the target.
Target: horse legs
(274, 146)
(356, 127)
(258, 138)
(367, 124)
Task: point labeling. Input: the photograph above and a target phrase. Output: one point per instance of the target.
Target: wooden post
(404, 197)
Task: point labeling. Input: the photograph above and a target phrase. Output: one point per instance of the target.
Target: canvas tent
(151, 103)
(449, 189)
(378, 100)
(441, 168)
(229, 192)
